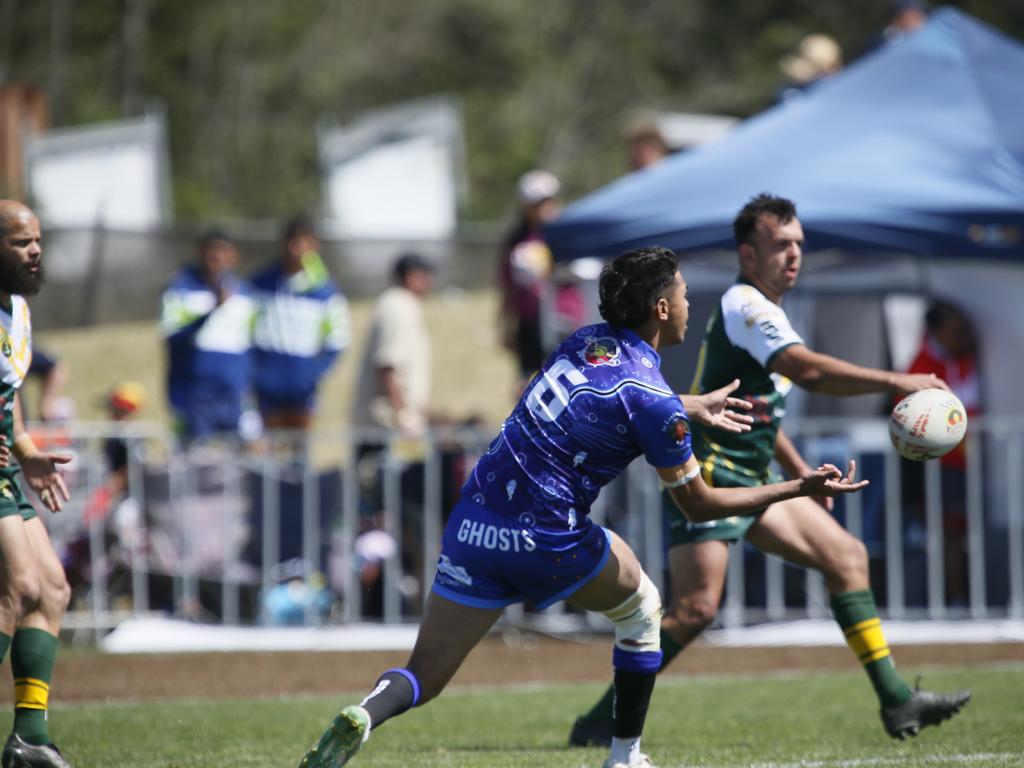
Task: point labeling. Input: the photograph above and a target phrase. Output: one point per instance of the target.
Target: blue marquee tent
(918, 148)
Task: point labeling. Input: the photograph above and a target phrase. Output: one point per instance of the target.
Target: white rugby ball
(927, 424)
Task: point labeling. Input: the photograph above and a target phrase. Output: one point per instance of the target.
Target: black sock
(396, 691)
(632, 696)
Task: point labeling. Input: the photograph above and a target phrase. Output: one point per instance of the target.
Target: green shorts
(13, 500)
(682, 531)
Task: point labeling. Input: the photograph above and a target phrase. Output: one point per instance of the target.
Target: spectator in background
(123, 403)
(111, 505)
(950, 351)
(393, 395)
(207, 320)
(301, 327)
(905, 17)
(645, 144)
(52, 374)
(525, 265)
(394, 381)
(818, 56)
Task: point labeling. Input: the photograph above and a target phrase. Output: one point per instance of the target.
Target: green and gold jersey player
(744, 334)
(33, 590)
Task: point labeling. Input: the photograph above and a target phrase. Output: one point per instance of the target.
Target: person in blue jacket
(302, 326)
(207, 319)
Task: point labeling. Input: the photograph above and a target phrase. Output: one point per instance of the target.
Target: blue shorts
(490, 560)
(299, 402)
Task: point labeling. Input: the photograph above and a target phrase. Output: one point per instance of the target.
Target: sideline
(160, 635)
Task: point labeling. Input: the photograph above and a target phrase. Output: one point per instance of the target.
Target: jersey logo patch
(677, 429)
(601, 351)
(5, 342)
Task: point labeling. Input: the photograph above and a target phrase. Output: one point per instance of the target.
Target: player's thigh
(17, 558)
(47, 563)
(448, 632)
(802, 532)
(698, 571)
(616, 582)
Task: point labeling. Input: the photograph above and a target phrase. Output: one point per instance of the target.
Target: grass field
(804, 721)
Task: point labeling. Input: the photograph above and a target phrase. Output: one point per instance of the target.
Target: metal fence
(338, 526)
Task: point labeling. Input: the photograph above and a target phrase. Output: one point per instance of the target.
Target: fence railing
(339, 526)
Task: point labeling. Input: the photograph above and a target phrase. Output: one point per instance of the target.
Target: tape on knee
(637, 629)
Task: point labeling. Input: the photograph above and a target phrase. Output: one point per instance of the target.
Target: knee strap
(638, 620)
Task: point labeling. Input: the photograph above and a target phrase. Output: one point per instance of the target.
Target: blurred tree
(543, 82)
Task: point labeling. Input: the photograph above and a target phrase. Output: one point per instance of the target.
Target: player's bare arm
(701, 503)
(794, 464)
(829, 375)
(719, 410)
(39, 467)
(788, 457)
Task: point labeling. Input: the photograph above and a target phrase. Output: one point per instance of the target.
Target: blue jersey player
(521, 530)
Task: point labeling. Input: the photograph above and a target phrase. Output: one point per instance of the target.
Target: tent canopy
(916, 148)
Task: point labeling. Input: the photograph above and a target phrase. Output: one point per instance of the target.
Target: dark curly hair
(632, 284)
(746, 220)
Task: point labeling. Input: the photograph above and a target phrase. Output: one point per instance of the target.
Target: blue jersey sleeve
(662, 430)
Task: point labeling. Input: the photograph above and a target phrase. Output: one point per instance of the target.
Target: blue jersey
(598, 403)
(208, 344)
(301, 328)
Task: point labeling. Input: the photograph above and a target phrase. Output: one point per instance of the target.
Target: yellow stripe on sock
(867, 640)
(30, 693)
(860, 626)
(874, 656)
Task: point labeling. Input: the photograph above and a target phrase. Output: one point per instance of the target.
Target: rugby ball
(927, 424)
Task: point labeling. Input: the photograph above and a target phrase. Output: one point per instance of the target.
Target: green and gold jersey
(743, 335)
(15, 358)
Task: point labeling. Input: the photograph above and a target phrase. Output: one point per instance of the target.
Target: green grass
(817, 721)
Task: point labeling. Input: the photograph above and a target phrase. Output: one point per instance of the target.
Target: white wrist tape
(679, 482)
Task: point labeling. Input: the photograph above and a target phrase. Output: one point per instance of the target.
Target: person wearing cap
(121, 403)
(302, 326)
(525, 265)
(207, 322)
(817, 57)
(393, 390)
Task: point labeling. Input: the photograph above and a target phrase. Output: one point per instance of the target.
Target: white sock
(625, 750)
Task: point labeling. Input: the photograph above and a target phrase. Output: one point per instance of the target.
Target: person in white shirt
(393, 392)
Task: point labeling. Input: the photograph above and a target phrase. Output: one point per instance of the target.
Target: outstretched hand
(717, 409)
(44, 478)
(827, 480)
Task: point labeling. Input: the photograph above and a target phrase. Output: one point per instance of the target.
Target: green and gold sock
(602, 710)
(32, 655)
(857, 616)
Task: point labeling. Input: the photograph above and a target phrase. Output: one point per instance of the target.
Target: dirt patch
(100, 677)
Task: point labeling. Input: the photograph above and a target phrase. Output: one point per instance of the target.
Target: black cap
(411, 262)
